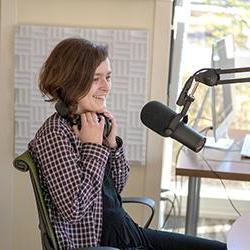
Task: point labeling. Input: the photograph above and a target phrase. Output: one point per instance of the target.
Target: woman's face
(95, 100)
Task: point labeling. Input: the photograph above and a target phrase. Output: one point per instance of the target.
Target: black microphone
(159, 117)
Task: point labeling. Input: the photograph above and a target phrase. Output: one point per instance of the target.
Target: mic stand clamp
(184, 100)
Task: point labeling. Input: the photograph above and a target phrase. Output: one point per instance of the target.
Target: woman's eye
(108, 78)
(96, 79)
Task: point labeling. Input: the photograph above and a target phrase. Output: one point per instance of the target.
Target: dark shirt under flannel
(71, 174)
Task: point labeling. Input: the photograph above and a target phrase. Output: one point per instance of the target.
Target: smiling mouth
(100, 98)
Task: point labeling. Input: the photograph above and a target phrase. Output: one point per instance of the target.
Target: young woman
(83, 168)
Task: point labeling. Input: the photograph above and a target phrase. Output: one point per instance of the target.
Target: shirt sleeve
(119, 166)
(74, 177)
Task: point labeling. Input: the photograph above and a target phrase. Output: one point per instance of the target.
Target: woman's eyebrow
(99, 74)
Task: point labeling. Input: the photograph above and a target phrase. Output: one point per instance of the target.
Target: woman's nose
(106, 84)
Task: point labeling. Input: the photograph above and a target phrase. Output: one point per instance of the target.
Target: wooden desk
(224, 164)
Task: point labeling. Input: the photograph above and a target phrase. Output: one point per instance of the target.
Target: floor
(172, 219)
(212, 228)
(216, 229)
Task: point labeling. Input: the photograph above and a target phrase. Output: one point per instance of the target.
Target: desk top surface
(215, 163)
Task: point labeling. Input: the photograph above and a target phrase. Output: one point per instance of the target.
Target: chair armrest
(144, 201)
(22, 162)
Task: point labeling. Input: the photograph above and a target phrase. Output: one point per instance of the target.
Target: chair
(24, 163)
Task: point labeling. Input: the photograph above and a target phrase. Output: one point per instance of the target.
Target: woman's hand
(111, 139)
(91, 129)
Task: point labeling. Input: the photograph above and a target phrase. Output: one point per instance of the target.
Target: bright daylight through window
(198, 26)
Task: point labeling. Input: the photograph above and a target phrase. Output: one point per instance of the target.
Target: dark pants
(161, 240)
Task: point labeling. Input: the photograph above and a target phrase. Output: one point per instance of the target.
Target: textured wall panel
(128, 50)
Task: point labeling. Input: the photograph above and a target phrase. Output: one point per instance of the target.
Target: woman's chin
(101, 109)
(95, 108)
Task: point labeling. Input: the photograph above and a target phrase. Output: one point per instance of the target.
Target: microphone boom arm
(209, 77)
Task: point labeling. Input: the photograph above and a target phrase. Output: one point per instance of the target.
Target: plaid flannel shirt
(71, 174)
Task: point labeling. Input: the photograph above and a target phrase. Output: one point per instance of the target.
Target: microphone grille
(157, 116)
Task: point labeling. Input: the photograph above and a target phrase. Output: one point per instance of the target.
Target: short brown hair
(68, 72)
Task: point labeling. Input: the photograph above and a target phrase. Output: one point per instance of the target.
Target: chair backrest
(24, 163)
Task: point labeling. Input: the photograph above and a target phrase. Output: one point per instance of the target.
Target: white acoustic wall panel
(128, 51)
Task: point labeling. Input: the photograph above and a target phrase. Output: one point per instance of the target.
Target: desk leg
(193, 202)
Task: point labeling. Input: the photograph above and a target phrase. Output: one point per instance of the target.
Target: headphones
(63, 111)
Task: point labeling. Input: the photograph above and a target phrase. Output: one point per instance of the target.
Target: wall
(7, 19)
(18, 227)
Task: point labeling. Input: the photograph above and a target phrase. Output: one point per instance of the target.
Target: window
(207, 21)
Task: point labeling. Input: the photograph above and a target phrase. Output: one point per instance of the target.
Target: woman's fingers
(108, 115)
(76, 130)
(83, 118)
(89, 117)
(101, 120)
(91, 128)
(95, 117)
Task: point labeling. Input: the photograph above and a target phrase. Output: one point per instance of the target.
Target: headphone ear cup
(62, 109)
(107, 127)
